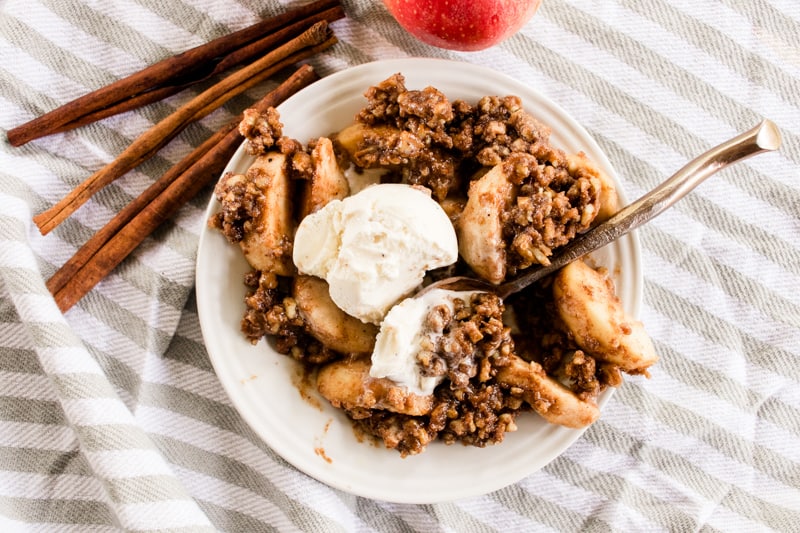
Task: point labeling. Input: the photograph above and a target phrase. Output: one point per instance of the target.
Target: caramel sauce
(319, 450)
(304, 379)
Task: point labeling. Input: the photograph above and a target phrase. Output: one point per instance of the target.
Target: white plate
(262, 384)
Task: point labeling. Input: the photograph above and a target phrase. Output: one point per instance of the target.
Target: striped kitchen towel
(112, 418)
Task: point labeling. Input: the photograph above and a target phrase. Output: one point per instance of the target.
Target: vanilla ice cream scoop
(373, 248)
(402, 336)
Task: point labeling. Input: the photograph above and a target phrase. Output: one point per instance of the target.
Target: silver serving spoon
(763, 138)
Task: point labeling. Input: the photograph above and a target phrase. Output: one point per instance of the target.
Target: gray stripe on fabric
(201, 200)
(57, 511)
(724, 49)
(59, 168)
(703, 429)
(236, 473)
(18, 359)
(780, 414)
(16, 409)
(693, 477)
(660, 126)
(42, 461)
(12, 227)
(231, 520)
(71, 173)
(57, 59)
(22, 281)
(186, 17)
(198, 408)
(127, 322)
(721, 332)
(782, 253)
(454, 518)
(143, 489)
(83, 386)
(125, 380)
(152, 282)
(617, 489)
(180, 240)
(654, 66)
(379, 518)
(102, 437)
(344, 51)
(11, 329)
(768, 302)
(166, 291)
(189, 352)
(779, 518)
(753, 506)
(764, 15)
(21, 94)
(704, 211)
(108, 29)
(689, 372)
(51, 335)
(594, 524)
(191, 307)
(540, 510)
(261, 8)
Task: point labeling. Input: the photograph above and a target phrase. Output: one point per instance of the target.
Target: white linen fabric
(111, 417)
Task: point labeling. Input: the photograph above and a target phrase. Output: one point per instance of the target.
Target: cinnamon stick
(101, 237)
(268, 73)
(113, 98)
(234, 58)
(156, 137)
(69, 269)
(188, 178)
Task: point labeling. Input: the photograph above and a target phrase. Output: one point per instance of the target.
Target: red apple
(467, 25)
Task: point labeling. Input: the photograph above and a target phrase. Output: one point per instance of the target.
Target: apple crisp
(513, 199)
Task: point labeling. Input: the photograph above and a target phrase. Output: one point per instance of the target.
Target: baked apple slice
(326, 322)
(594, 316)
(327, 182)
(553, 401)
(480, 226)
(348, 385)
(257, 213)
(380, 145)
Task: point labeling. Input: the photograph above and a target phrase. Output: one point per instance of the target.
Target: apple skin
(466, 25)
